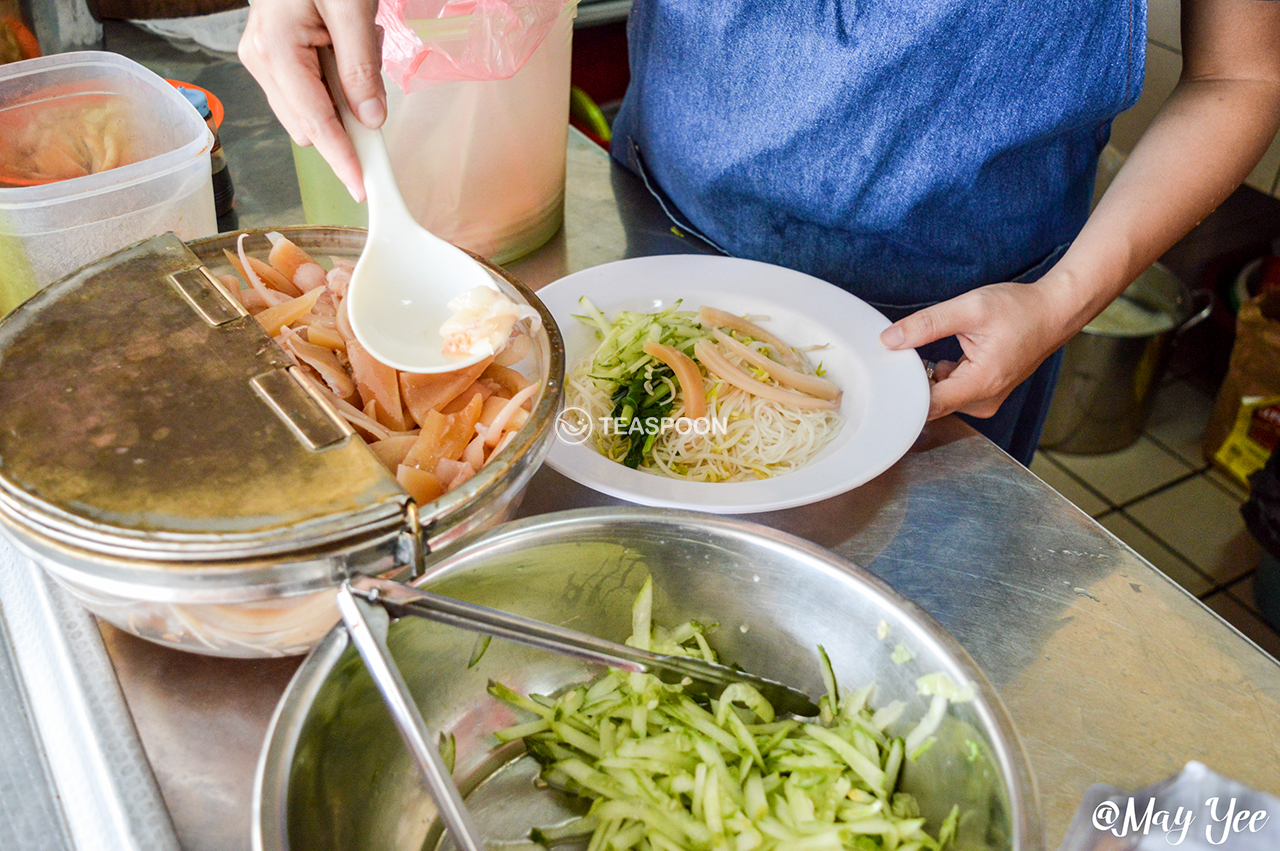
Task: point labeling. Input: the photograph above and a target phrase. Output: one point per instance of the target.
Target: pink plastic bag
(432, 41)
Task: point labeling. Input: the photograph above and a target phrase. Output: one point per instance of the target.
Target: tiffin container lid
(144, 414)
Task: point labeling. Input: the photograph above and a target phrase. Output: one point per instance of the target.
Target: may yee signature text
(1225, 818)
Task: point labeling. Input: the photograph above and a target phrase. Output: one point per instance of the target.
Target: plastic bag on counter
(1245, 424)
(1198, 810)
(432, 41)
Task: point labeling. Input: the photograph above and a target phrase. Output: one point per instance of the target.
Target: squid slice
(719, 366)
(426, 392)
(246, 270)
(507, 379)
(501, 421)
(687, 373)
(376, 380)
(454, 472)
(391, 450)
(277, 316)
(286, 257)
(338, 279)
(308, 276)
(497, 404)
(323, 335)
(814, 385)
(464, 398)
(356, 417)
(482, 322)
(515, 350)
(444, 436)
(324, 362)
(272, 277)
(474, 453)
(423, 486)
(715, 318)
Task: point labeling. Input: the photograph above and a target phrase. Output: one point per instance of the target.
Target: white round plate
(886, 393)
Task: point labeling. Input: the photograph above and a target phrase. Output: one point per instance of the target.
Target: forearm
(1198, 149)
(1201, 145)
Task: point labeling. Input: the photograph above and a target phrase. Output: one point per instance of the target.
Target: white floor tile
(1165, 560)
(1127, 474)
(1067, 485)
(1246, 621)
(1229, 484)
(1242, 591)
(1178, 419)
(1202, 523)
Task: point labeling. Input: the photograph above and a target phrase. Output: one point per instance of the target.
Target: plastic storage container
(53, 222)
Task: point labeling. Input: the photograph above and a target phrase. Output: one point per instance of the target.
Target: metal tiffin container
(162, 459)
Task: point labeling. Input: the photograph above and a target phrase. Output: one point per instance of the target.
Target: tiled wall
(1164, 62)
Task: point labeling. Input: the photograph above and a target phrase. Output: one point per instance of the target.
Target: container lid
(198, 99)
(1155, 303)
(147, 415)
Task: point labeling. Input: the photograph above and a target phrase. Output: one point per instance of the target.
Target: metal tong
(707, 677)
(367, 603)
(368, 623)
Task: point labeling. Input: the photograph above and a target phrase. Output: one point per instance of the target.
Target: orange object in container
(210, 109)
(96, 153)
(17, 42)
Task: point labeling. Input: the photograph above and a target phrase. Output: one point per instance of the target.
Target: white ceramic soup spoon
(406, 276)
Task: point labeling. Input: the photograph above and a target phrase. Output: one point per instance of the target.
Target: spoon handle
(385, 200)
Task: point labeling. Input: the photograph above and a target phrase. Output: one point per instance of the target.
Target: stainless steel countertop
(1111, 672)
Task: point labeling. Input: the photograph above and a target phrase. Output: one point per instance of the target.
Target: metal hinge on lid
(292, 401)
(207, 296)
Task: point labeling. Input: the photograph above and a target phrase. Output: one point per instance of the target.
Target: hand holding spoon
(404, 280)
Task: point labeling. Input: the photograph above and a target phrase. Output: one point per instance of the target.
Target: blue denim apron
(905, 150)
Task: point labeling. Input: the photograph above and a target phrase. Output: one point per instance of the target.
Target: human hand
(1005, 330)
(279, 49)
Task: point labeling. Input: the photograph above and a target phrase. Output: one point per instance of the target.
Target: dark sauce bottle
(223, 192)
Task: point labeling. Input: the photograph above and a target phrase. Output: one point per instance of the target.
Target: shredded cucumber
(641, 388)
(665, 773)
(620, 355)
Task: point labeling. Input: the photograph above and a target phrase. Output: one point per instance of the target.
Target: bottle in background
(223, 191)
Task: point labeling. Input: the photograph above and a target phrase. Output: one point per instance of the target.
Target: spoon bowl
(404, 280)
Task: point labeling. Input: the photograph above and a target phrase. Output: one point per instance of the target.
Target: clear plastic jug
(480, 162)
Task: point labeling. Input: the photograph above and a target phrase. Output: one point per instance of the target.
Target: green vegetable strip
(478, 649)
(870, 773)
(520, 731)
(667, 774)
(567, 832)
(642, 617)
(893, 763)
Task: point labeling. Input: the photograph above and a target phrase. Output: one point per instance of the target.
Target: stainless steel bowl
(334, 773)
(202, 525)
